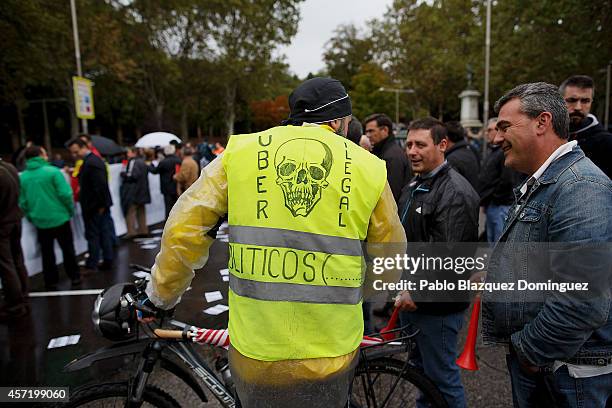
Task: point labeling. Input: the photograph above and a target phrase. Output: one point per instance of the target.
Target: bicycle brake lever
(138, 306)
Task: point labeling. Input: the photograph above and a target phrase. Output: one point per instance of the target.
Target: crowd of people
(545, 155)
(46, 192)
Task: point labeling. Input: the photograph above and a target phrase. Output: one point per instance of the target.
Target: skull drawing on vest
(302, 167)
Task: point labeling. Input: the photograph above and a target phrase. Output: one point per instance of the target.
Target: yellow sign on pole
(83, 97)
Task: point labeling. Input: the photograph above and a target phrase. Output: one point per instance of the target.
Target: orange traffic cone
(467, 359)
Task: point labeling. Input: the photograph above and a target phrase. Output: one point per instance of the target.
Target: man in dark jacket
(379, 129)
(460, 154)
(438, 205)
(95, 201)
(13, 274)
(496, 184)
(135, 194)
(166, 170)
(593, 139)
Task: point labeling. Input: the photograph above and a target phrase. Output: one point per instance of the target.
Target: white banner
(155, 214)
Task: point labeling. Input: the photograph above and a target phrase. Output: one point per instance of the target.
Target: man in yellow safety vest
(301, 200)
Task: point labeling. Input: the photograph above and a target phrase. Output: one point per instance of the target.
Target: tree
(38, 59)
(245, 33)
(549, 41)
(432, 45)
(346, 52)
(366, 96)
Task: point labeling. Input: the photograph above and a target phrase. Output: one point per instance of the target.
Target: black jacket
(9, 194)
(93, 182)
(440, 208)
(465, 160)
(595, 141)
(496, 181)
(166, 169)
(398, 167)
(135, 186)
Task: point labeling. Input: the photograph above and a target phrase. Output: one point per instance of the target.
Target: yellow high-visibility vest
(299, 204)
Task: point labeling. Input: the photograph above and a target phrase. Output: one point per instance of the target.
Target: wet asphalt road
(25, 360)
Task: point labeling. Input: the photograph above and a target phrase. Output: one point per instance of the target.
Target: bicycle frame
(180, 344)
(185, 352)
(151, 351)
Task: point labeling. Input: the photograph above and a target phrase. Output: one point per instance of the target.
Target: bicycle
(381, 381)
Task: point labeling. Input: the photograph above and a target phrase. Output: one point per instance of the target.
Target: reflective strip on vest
(291, 292)
(305, 241)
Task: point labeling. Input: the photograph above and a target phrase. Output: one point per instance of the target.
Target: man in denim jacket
(558, 234)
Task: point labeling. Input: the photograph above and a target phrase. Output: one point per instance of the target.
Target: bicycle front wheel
(115, 395)
(390, 383)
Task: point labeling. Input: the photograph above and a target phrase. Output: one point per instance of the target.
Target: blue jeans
(557, 389)
(436, 353)
(99, 237)
(496, 217)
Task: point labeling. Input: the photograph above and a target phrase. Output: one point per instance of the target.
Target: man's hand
(524, 364)
(528, 368)
(478, 277)
(404, 301)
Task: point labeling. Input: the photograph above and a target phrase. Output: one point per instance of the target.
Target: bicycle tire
(384, 372)
(94, 394)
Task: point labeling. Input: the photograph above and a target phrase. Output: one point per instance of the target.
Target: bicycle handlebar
(220, 337)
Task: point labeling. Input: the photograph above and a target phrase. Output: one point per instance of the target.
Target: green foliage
(366, 95)
(194, 66)
(346, 52)
(186, 66)
(426, 46)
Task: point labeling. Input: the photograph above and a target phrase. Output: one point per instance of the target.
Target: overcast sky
(319, 18)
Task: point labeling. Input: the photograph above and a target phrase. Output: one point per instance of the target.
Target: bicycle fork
(136, 386)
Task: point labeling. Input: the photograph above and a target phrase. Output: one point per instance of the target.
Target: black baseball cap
(318, 100)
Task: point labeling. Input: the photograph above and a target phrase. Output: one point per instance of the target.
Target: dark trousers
(113, 233)
(13, 273)
(63, 235)
(99, 236)
(169, 201)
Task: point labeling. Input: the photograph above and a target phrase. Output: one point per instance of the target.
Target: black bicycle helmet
(112, 317)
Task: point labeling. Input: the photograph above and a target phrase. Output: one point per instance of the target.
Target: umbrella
(156, 139)
(106, 146)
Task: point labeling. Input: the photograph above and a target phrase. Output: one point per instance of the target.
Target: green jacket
(46, 196)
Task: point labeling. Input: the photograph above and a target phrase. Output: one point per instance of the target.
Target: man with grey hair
(559, 342)
(166, 169)
(593, 139)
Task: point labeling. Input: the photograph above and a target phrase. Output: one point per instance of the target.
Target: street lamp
(77, 51)
(485, 102)
(397, 92)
